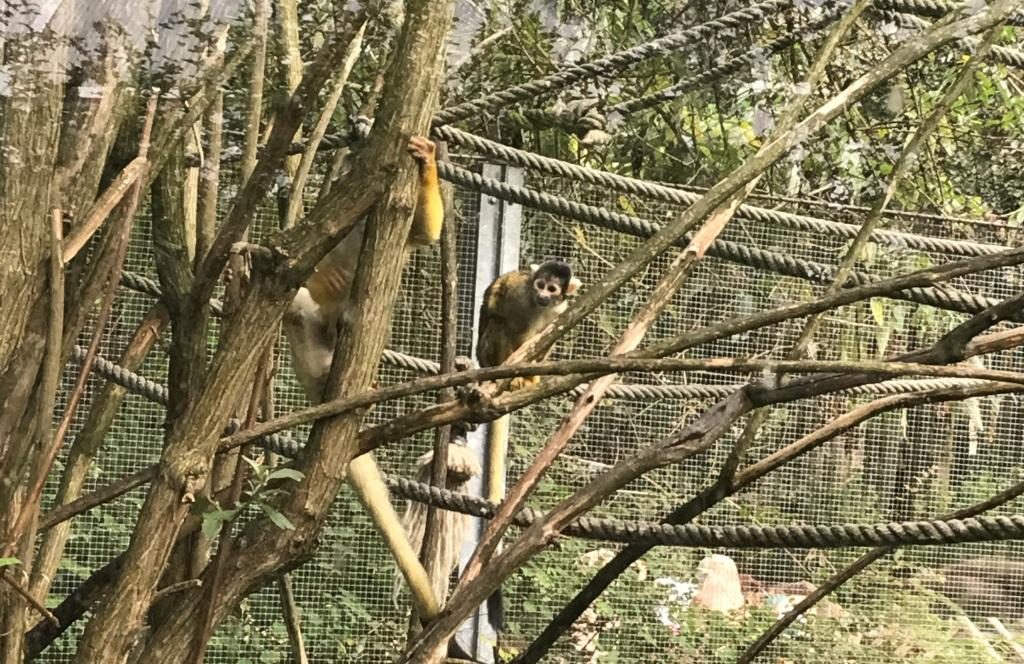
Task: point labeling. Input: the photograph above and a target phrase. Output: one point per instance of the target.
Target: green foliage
(260, 495)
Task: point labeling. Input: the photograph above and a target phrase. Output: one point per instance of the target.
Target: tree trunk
(406, 108)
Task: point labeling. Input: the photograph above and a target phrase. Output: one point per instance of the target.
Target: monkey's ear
(534, 267)
(574, 285)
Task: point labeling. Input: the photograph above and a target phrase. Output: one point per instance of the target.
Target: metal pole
(497, 252)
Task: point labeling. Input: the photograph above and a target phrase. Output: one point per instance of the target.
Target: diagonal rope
(610, 63)
(943, 297)
(669, 194)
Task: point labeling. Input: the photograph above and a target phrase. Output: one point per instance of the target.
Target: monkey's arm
(429, 217)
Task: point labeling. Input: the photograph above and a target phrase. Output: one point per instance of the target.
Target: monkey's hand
(422, 149)
(523, 382)
(470, 395)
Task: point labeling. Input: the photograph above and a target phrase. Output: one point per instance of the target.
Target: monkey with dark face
(518, 305)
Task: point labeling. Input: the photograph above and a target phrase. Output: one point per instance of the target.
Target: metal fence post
(497, 252)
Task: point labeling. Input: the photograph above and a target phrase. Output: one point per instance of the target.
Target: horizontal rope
(936, 8)
(803, 536)
(148, 389)
(1003, 54)
(289, 447)
(141, 284)
(744, 59)
(943, 297)
(668, 194)
(980, 529)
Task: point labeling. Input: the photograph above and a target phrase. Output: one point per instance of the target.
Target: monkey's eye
(552, 288)
(539, 284)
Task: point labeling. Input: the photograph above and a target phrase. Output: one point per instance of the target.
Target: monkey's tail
(496, 610)
(462, 465)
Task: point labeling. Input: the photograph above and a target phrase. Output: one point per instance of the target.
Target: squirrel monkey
(517, 305)
(311, 326)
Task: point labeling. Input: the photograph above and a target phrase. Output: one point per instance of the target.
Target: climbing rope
(648, 189)
(1007, 56)
(610, 63)
(141, 386)
(803, 536)
(940, 297)
(289, 447)
(935, 8)
(743, 59)
(729, 251)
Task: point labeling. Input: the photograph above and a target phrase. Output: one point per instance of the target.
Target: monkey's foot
(421, 148)
(463, 363)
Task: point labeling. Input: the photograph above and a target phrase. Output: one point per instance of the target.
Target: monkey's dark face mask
(546, 292)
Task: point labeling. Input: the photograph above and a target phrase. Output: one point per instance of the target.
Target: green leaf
(9, 562)
(286, 474)
(878, 311)
(214, 519)
(280, 520)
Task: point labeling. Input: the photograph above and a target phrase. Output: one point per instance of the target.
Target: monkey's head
(552, 283)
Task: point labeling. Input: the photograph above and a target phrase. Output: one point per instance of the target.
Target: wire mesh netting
(899, 466)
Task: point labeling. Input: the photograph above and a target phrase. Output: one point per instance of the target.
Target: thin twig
(226, 540)
(178, 587)
(27, 596)
(430, 551)
(320, 129)
(292, 619)
(104, 205)
(35, 492)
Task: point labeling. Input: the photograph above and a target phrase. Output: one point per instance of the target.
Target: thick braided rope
(953, 531)
(672, 195)
(746, 57)
(289, 447)
(935, 8)
(1003, 54)
(611, 63)
(937, 296)
(941, 297)
(157, 393)
(656, 392)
